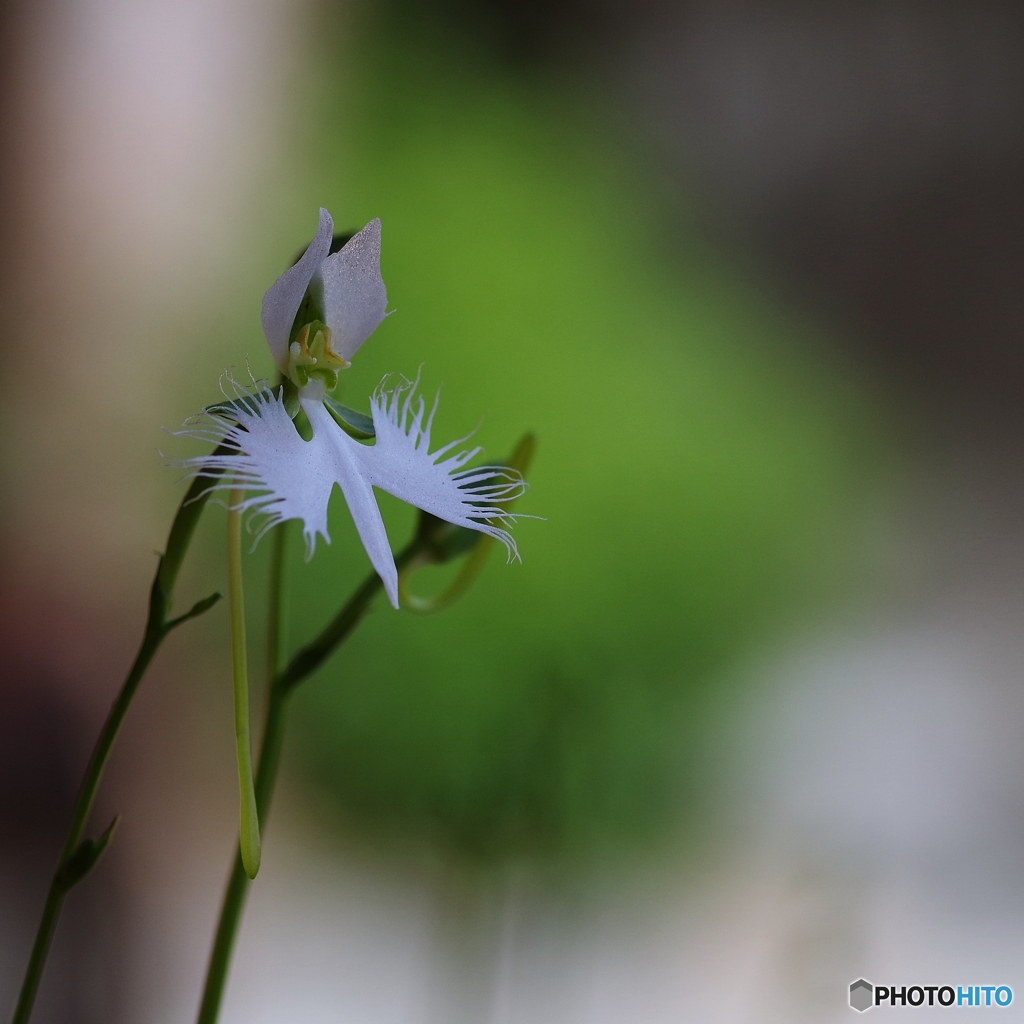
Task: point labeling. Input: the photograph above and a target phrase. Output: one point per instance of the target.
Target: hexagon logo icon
(861, 995)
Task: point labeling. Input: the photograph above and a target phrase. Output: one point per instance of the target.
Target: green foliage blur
(698, 470)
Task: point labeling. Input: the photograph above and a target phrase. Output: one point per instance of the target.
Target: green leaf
(355, 424)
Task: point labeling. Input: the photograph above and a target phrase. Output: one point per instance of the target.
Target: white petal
(352, 291)
(284, 296)
(358, 492)
(296, 477)
(400, 463)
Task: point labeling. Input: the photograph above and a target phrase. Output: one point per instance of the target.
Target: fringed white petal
(351, 290)
(400, 462)
(294, 477)
(284, 296)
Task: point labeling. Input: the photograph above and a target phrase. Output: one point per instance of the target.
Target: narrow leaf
(356, 424)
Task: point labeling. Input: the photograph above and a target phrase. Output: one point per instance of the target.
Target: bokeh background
(744, 724)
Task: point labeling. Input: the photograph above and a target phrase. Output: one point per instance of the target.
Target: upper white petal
(284, 296)
(351, 290)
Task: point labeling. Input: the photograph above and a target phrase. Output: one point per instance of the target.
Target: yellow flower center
(310, 356)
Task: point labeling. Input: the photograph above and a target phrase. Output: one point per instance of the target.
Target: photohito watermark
(864, 995)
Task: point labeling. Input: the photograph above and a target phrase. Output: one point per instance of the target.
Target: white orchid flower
(294, 478)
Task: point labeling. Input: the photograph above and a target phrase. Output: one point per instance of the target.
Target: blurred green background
(751, 273)
(700, 471)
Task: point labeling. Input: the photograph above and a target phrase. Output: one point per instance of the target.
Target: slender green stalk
(248, 819)
(275, 601)
(299, 667)
(336, 632)
(270, 752)
(239, 882)
(79, 855)
(435, 541)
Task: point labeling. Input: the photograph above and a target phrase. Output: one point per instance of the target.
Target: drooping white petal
(294, 478)
(358, 492)
(351, 290)
(284, 296)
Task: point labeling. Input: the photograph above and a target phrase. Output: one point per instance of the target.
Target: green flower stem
(462, 582)
(248, 819)
(79, 855)
(275, 603)
(300, 667)
(239, 881)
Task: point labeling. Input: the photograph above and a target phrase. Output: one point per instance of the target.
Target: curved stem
(248, 819)
(79, 856)
(304, 663)
(299, 667)
(458, 586)
(238, 881)
(59, 886)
